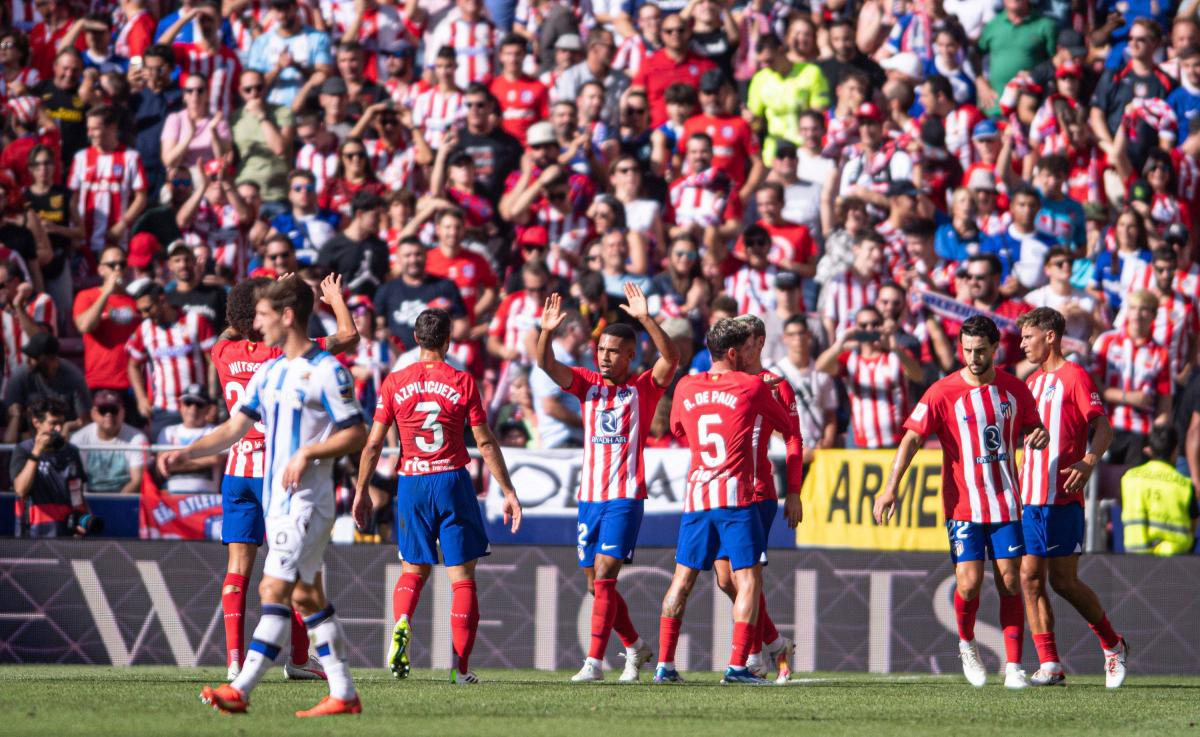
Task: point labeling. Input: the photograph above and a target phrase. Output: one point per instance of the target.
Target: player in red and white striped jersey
(1134, 376)
(107, 181)
(980, 415)
(876, 372)
(617, 406)
(21, 317)
(237, 354)
(473, 38)
(853, 289)
(724, 414)
(438, 108)
(171, 347)
(1052, 483)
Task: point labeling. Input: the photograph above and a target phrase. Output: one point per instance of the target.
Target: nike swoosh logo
(1011, 548)
(1052, 547)
(608, 547)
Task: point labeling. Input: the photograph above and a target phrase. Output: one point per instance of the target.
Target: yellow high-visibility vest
(1156, 510)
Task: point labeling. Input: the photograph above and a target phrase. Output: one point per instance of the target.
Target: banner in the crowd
(163, 515)
(840, 489)
(548, 480)
(952, 309)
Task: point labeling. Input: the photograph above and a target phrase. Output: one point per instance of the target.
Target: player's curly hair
(239, 310)
(727, 334)
(432, 329)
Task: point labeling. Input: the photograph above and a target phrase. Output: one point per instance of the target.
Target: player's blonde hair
(1143, 298)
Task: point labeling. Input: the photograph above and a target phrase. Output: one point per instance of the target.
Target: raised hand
(331, 289)
(552, 313)
(636, 302)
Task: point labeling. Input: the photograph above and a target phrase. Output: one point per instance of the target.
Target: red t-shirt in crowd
(105, 360)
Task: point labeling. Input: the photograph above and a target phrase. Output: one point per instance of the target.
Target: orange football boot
(225, 699)
(329, 706)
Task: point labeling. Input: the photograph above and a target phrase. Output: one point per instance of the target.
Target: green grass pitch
(80, 700)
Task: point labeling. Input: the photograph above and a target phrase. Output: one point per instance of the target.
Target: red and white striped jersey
(704, 199)
(878, 392)
(959, 124)
(1067, 401)
(764, 480)
(567, 233)
(1175, 326)
(616, 423)
(134, 34)
(400, 170)
(516, 316)
(993, 224)
(323, 165)
(1122, 363)
(724, 417)
(24, 15)
(220, 67)
(475, 45)
(380, 154)
(754, 289)
(1187, 282)
(221, 228)
(980, 429)
(401, 92)
(28, 77)
(434, 111)
(845, 295)
(175, 354)
(630, 55)
(41, 310)
(550, 79)
(106, 183)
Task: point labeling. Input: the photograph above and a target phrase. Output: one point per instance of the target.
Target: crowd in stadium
(861, 175)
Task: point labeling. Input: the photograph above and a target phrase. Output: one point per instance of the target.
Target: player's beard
(983, 369)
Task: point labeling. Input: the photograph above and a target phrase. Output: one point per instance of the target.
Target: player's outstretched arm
(668, 353)
(494, 460)
(552, 317)
(226, 434)
(885, 503)
(367, 462)
(346, 338)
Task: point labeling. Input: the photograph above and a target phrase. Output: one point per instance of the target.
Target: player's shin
(743, 636)
(233, 607)
(1012, 620)
(406, 595)
(964, 616)
(623, 624)
(268, 639)
(299, 640)
(668, 639)
(326, 632)
(464, 620)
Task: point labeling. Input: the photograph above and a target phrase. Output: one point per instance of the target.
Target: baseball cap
(143, 248)
(985, 130)
(41, 344)
(334, 86)
(534, 236)
(195, 393)
(907, 63)
(869, 111)
(359, 303)
(1069, 68)
(569, 42)
(540, 134)
(178, 246)
(106, 398)
(1072, 41)
(1176, 233)
(982, 180)
(785, 149)
(712, 81)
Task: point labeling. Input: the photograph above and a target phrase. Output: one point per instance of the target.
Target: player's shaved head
(432, 329)
(239, 310)
(727, 334)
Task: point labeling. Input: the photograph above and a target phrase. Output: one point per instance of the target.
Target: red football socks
(233, 605)
(622, 623)
(743, 635)
(604, 613)
(1047, 649)
(406, 595)
(1012, 619)
(464, 620)
(299, 639)
(668, 638)
(1109, 639)
(964, 615)
(766, 631)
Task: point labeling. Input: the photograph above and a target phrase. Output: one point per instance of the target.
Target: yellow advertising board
(839, 496)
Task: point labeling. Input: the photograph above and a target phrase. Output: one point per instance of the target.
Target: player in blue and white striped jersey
(305, 400)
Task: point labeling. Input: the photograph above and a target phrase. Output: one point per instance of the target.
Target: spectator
(959, 239)
(151, 105)
(205, 54)
(1138, 79)
(854, 288)
(63, 100)
(45, 376)
(704, 197)
(753, 284)
(512, 334)
(614, 254)
(1175, 322)
(195, 134)
(262, 136)
(597, 66)
(520, 408)
(559, 421)
(22, 315)
(168, 352)
(982, 281)
(441, 105)
(1081, 310)
(106, 316)
(1021, 248)
(48, 476)
(307, 226)
(294, 58)
(201, 476)
(187, 292)
(111, 471)
(496, 153)
(684, 293)
(846, 57)
(1158, 504)
(27, 132)
(52, 203)
(674, 63)
(402, 299)
(357, 253)
(523, 100)
(107, 182)
(817, 397)
(779, 92)
(474, 39)
(1134, 376)
(734, 145)
(469, 271)
(1125, 250)
(1017, 39)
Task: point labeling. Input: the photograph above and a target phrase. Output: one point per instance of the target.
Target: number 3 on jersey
(432, 410)
(235, 392)
(712, 444)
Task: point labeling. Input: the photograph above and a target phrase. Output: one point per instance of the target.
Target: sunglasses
(676, 31)
(354, 154)
(192, 403)
(475, 105)
(114, 264)
(252, 88)
(193, 90)
(635, 111)
(8, 45)
(145, 311)
(303, 188)
(976, 277)
(181, 182)
(277, 256)
(689, 255)
(111, 409)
